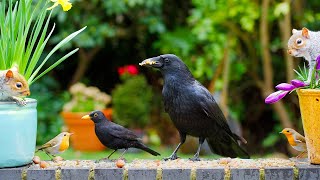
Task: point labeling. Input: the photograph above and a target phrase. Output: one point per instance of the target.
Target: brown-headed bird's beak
(155, 62)
(85, 117)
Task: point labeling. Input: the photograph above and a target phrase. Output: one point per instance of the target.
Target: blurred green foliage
(50, 102)
(131, 102)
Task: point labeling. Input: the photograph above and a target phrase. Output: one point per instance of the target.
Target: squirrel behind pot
(13, 86)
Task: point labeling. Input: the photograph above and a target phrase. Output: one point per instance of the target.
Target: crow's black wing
(210, 106)
(121, 132)
(213, 111)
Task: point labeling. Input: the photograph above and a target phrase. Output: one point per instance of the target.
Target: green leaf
(59, 45)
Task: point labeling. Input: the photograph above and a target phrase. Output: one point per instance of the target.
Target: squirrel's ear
(294, 31)
(305, 33)
(9, 74)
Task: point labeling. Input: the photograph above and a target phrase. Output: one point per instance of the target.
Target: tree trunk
(285, 32)
(226, 72)
(267, 65)
(85, 58)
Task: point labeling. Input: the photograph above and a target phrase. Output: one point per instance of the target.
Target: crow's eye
(299, 41)
(166, 60)
(95, 115)
(19, 85)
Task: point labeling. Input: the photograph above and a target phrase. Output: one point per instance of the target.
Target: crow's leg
(174, 154)
(112, 153)
(123, 153)
(196, 156)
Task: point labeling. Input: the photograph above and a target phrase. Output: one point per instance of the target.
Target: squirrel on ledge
(305, 43)
(13, 86)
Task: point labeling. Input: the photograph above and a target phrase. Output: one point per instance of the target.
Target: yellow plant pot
(309, 100)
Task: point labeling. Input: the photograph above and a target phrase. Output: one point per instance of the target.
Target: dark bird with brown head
(115, 136)
(193, 109)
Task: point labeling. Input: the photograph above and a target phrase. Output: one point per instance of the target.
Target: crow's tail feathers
(145, 148)
(226, 146)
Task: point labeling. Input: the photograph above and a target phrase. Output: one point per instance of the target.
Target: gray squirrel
(305, 43)
(13, 86)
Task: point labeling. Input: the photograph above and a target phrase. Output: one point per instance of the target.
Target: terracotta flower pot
(84, 138)
(309, 100)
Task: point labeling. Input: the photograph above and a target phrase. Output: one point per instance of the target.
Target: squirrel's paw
(20, 101)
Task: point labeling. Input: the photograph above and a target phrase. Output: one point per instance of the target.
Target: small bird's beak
(153, 62)
(281, 132)
(85, 117)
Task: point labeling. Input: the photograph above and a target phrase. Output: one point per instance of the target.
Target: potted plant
(131, 100)
(84, 100)
(309, 102)
(24, 34)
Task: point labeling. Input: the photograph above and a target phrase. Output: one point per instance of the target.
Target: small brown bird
(57, 145)
(296, 140)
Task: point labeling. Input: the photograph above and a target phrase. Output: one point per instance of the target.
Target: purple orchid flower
(285, 87)
(318, 64)
(297, 83)
(276, 96)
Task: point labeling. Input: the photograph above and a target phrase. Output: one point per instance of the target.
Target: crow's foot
(194, 159)
(172, 157)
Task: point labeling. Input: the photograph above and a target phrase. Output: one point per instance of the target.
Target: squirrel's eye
(19, 85)
(95, 115)
(299, 41)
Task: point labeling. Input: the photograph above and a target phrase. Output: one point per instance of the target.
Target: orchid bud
(285, 87)
(276, 96)
(318, 63)
(297, 83)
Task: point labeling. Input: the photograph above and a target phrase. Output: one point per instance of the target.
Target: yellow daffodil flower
(66, 5)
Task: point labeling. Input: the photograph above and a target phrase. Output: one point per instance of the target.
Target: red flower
(121, 70)
(132, 69)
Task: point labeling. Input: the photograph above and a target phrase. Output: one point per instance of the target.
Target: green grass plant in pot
(25, 29)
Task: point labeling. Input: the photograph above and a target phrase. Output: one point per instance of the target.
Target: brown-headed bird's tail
(227, 146)
(145, 148)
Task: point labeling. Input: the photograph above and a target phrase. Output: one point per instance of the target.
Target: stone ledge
(174, 170)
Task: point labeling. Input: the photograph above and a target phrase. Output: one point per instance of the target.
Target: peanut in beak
(147, 62)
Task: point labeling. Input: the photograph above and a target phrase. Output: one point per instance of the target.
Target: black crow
(115, 136)
(193, 109)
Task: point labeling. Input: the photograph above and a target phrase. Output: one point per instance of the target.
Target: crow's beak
(85, 117)
(152, 62)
